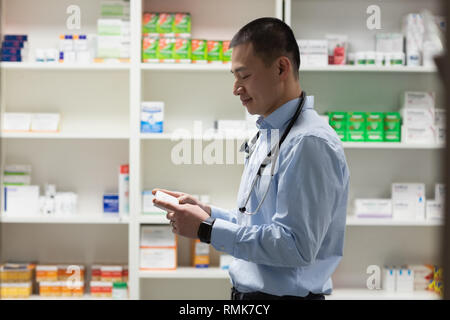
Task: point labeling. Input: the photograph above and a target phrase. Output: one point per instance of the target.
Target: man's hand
(186, 217)
(184, 198)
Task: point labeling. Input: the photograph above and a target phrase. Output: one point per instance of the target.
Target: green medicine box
(338, 121)
(374, 126)
(356, 126)
(150, 23)
(182, 24)
(392, 127)
(165, 23)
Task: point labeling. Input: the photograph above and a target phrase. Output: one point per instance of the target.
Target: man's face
(256, 84)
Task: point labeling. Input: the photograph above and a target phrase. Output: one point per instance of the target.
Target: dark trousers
(236, 295)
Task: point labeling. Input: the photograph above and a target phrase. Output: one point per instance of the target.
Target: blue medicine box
(111, 203)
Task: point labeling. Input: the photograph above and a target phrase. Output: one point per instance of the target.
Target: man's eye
(245, 77)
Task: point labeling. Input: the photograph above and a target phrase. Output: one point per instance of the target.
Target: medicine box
(214, 51)
(405, 280)
(408, 200)
(150, 24)
(439, 192)
(356, 126)
(313, 53)
(416, 99)
(200, 254)
(150, 49)
(111, 203)
(152, 117)
(16, 121)
(45, 122)
(182, 25)
(374, 126)
(225, 261)
(182, 50)
(21, 200)
(338, 121)
(166, 50)
(392, 127)
(420, 135)
(389, 279)
(147, 204)
(124, 186)
(199, 51)
(165, 26)
(418, 117)
(373, 208)
(158, 248)
(434, 210)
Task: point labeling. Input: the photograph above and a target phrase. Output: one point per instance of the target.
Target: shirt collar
(278, 118)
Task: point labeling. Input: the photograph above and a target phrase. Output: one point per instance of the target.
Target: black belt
(236, 295)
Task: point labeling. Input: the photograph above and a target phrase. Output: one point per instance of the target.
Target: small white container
(360, 58)
(379, 59)
(370, 58)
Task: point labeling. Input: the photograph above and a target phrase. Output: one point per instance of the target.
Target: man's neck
(291, 95)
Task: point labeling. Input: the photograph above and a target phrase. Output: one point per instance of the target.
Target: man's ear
(284, 66)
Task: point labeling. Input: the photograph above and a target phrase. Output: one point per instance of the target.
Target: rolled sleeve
(223, 235)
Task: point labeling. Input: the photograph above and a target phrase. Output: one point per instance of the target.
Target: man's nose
(237, 89)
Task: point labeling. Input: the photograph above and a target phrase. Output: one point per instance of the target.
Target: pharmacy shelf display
(112, 94)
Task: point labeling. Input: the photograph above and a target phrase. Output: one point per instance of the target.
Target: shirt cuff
(219, 213)
(223, 236)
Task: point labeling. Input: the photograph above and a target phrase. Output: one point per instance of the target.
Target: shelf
(186, 273)
(63, 66)
(185, 67)
(366, 294)
(353, 221)
(351, 68)
(390, 145)
(62, 135)
(207, 137)
(94, 219)
(330, 68)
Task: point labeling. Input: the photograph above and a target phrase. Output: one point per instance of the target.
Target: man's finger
(172, 193)
(170, 215)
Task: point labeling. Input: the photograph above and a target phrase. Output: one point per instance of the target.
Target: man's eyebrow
(238, 69)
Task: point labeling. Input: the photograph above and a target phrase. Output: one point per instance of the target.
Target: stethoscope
(249, 148)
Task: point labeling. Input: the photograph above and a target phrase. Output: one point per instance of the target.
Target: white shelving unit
(100, 130)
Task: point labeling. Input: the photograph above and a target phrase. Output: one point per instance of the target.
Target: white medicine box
(389, 279)
(147, 204)
(408, 201)
(21, 200)
(158, 248)
(16, 121)
(405, 280)
(419, 99)
(45, 122)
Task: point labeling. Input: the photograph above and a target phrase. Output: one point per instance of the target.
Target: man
(291, 245)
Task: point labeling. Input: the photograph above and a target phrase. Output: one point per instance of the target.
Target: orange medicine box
(46, 273)
(101, 289)
(67, 271)
(200, 254)
(50, 288)
(111, 273)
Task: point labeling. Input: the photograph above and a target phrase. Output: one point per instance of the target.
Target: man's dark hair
(271, 38)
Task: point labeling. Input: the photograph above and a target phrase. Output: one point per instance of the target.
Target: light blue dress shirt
(294, 243)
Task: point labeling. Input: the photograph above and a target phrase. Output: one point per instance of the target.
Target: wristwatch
(204, 231)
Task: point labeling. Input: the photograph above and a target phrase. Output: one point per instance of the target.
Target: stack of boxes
(419, 118)
(166, 38)
(158, 248)
(105, 276)
(413, 278)
(366, 126)
(60, 280)
(407, 203)
(14, 48)
(16, 280)
(113, 32)
(72, 48)
(313, 53)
